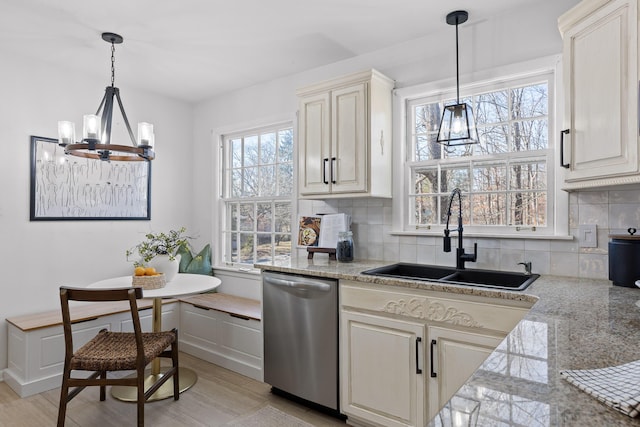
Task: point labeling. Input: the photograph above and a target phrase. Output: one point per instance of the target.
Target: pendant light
(96, 133)
(457, 126)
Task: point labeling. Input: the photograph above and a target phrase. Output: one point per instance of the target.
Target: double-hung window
(257, 188)
(506, 179)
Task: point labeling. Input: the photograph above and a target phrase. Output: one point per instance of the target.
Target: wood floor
(219, 396)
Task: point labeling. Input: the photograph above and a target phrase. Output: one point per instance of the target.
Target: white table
(181, 285)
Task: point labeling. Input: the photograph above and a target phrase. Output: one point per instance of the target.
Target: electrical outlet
(588, 236)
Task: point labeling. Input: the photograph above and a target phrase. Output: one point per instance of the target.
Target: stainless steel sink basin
(467, 277)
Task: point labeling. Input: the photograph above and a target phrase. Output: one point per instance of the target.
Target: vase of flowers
(158, 250)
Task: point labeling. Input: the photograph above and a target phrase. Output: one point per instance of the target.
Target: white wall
(38, 257)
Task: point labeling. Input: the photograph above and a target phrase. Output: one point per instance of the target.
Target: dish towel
(615, 386)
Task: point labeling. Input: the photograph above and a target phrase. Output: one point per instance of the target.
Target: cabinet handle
(562, 134)
(433, 344)
(333, 175)
(418, 341)
(324, 171)
(201, 307)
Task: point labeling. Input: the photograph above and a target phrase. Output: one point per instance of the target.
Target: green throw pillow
(201, 263)
(185, 258)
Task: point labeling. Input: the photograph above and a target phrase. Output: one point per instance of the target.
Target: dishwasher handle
(298, 283)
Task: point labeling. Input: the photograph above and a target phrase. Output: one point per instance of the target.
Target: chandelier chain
(113, 60)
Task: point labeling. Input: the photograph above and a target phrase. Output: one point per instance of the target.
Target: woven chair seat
(116, 351)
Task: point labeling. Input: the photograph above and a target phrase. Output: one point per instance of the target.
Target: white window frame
(222, 183)
(557, 214)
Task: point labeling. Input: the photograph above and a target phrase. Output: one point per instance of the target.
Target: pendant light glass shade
(457, 127)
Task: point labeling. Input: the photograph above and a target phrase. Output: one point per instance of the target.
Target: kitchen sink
(467, 277)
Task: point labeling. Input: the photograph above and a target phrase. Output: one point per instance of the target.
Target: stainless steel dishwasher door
(300, 327)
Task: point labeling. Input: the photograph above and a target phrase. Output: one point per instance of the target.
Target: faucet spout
(461, 256)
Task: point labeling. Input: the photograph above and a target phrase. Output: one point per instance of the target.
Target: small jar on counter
(344, 248)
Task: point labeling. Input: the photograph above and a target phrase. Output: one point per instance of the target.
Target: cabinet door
(454, 356)
(382, 361)
(315, 146)
(601, 93)
(348, 139)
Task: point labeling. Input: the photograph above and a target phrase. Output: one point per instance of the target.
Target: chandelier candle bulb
(145, 134)
(66, 133)
(90, 126)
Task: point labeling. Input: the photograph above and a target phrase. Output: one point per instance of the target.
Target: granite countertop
(574, 324)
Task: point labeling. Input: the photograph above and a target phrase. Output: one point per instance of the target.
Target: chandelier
(457, 126)
(96, 128)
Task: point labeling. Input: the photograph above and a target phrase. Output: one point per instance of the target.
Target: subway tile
(517, 244)
(375, 234)
(374, 251)
(391, 252)
(593, 197)
(375, 215)
(509, 260)
(540, 261)
(407, 253)
(593, 214)
(623, 216)
(488, 243)
(564, 264)
(488, 258)
(593, 266)
(360, 202)
(574, 211)
(564, 246)
(429, 241)
(536, 245)
(624, 196)
(425, 254)
(407, 240)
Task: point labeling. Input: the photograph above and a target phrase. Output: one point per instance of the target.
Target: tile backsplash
(613, 211)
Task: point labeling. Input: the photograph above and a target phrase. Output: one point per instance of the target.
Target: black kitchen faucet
(461, 257)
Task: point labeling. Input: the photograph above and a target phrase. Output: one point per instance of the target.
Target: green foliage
(159, 244)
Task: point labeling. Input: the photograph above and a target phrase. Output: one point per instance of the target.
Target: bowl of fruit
(148, 278)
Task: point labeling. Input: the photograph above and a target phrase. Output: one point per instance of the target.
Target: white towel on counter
(615, 386)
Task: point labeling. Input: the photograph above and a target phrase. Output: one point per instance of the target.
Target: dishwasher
(300, 329)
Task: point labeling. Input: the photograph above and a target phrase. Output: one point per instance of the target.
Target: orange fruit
(139, 271)
(149, 271)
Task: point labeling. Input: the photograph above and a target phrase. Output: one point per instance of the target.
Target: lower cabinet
(454, 356)
(405, 352)
(233, 342)
(383, 360)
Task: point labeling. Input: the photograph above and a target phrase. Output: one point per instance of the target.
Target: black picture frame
(70, 188)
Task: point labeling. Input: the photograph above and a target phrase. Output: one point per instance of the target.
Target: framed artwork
(66, 187)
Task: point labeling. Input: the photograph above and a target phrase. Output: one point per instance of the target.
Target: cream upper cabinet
(344, 134)
(599, 138)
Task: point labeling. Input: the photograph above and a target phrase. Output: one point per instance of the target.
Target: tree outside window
(258, 177)
(504, 178)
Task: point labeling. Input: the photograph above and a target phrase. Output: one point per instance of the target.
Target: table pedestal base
(129, 394)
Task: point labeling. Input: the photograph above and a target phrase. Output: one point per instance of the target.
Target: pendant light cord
(457, 68)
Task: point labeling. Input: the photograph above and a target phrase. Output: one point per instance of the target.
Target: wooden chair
(114, 351)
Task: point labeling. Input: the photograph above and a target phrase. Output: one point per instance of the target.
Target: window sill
(529, 236)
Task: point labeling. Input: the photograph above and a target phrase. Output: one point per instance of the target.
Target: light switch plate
(588, 236)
